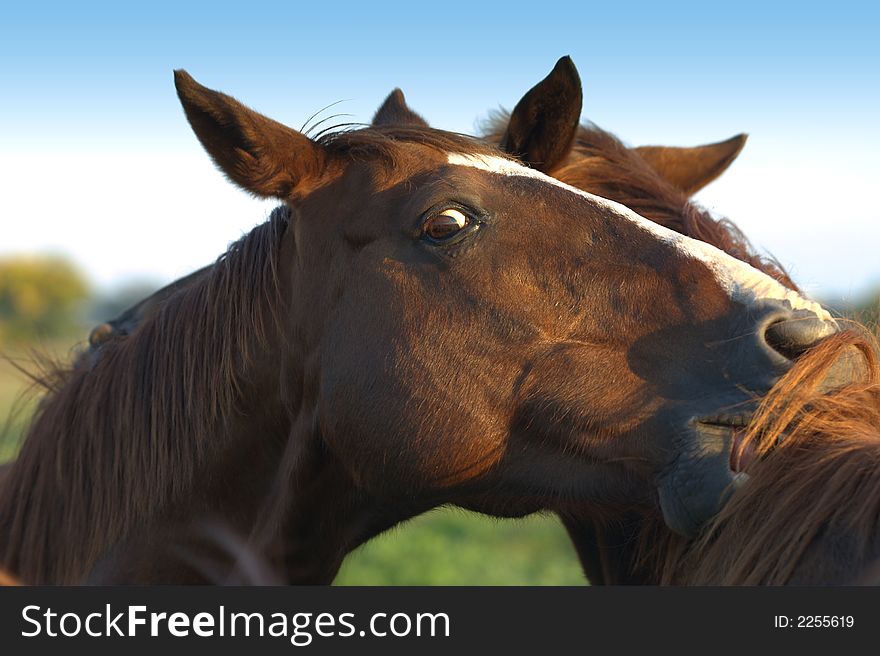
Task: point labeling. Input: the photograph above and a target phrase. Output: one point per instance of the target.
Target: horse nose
(792, 335)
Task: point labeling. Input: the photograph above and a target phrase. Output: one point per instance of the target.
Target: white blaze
(743, 282)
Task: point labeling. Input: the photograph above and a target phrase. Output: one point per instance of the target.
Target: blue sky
(88, 104)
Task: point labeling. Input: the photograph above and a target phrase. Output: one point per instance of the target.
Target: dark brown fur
(82, 467)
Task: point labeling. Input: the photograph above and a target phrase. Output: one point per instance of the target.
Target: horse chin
(696, 487)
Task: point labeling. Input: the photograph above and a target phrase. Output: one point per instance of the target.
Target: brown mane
(810, 512)
(379, 141)
(600, 163)
(56, 488)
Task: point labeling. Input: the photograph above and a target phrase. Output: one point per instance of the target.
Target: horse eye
(446, 224)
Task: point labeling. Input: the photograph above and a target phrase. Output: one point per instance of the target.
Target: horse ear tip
(738, 142)
(565, 68)
(394, 97)
(565, 63)
(397, 96)
(183, 80)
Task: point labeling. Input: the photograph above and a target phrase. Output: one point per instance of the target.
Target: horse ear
(261, 155)
(395, 111)
(544, 123)
(691, 169)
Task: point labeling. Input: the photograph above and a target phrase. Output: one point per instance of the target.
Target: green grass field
(445, 547)
(453, 547)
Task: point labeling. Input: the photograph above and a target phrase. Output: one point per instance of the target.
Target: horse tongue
(741, 454)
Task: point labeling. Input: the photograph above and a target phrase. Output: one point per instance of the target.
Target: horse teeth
(740, 479)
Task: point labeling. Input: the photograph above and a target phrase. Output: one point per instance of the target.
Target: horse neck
(316, 513)
(160, 428)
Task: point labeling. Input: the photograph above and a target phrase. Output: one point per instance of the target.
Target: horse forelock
(384, 143)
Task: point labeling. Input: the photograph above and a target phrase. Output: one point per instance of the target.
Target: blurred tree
(40, 297)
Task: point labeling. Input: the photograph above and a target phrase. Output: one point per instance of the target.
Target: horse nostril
(792, 336)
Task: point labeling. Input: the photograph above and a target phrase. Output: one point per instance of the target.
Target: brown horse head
(493, 328)
(676, 361)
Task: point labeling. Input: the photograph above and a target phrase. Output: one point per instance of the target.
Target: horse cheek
(401, 432)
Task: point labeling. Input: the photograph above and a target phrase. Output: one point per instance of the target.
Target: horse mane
(813, 497)
(601, 164)
(170, 384)
(381, 142)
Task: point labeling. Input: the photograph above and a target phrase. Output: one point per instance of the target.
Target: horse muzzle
(695, 488)
(712, 458)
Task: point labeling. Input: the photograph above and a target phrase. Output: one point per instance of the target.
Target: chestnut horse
(425, 321)
(655, 180)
